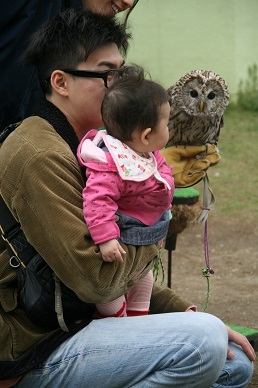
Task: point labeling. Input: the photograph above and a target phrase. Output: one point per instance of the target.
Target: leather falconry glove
(190, 162)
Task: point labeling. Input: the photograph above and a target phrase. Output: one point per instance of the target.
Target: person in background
(42, 185)
(19, 87)
(108, 7)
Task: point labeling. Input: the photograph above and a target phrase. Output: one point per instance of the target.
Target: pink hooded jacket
(112, 185)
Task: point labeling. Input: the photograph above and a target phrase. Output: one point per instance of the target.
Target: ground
(234, 257)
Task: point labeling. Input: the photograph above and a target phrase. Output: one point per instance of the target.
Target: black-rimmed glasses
(108, 76)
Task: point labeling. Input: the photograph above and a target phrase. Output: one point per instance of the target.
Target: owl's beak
(201, 106)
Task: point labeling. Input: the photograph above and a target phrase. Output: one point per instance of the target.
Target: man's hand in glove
(190, 162)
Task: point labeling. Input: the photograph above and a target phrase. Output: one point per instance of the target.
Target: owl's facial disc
(200, 93)
(201, 99)
(198, 102)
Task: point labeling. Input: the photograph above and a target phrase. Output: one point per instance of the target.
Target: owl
(198, 101)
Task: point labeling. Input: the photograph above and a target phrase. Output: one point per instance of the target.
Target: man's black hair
(132, 103)
(69, 39)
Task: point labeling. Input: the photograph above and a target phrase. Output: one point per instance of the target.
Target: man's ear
(144, 136)
(59, 82)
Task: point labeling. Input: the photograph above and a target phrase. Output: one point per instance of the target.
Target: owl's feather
(198, 101)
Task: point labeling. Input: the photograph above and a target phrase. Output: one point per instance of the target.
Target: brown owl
(198, 101)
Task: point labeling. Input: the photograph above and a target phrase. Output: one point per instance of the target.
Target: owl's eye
(193, 93)
(211, 95)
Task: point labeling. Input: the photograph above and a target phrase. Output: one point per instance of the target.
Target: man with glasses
(41, 182)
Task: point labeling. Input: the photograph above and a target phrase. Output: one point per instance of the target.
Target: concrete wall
(172, 37)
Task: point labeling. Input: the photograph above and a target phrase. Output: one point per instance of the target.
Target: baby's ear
(144, 136)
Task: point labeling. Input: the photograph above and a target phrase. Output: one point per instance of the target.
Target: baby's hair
(132, 103)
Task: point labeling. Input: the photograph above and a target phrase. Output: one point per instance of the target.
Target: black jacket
(19, 86)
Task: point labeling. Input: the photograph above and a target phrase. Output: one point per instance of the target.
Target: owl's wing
(174, 111)
(216, 135)
(180, 127)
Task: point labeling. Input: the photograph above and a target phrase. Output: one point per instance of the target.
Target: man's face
(85, 95)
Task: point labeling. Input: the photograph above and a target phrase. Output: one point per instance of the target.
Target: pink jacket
(106, 192)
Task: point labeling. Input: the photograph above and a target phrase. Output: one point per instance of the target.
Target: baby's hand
(111, 250)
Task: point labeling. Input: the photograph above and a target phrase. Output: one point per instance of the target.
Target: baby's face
(159, 136)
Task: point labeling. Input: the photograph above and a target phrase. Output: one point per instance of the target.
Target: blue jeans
(170, 350)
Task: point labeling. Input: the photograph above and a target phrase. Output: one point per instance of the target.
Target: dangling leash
(157, 266)
(207, 205)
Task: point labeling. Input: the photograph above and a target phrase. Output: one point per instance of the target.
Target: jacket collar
(49, 112)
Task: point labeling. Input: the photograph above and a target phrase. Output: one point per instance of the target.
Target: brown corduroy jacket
(41, 182)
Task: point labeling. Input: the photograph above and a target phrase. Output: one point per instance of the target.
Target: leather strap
(9, 129)
(16, 242)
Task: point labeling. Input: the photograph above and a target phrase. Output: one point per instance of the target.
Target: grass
(234, 181)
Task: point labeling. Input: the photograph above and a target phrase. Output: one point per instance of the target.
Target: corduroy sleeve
(165, 300)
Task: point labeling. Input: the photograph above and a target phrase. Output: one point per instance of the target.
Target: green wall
(172, 37)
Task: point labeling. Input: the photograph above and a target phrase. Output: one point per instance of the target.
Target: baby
(129, 186)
